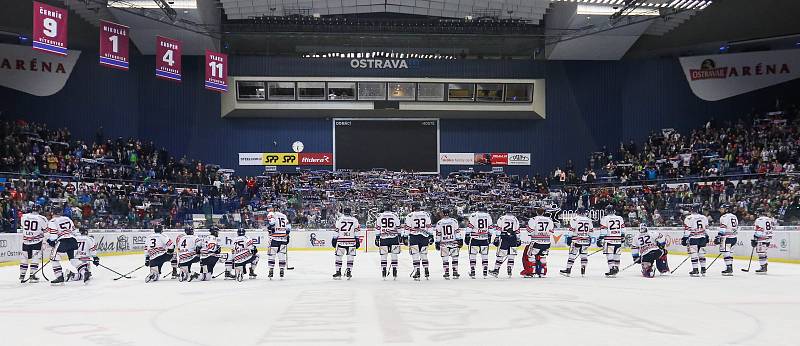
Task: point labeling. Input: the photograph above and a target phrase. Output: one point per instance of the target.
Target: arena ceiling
(540, 29)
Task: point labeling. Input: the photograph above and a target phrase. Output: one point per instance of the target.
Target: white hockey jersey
(243, 248)
(728, 226)
(765, 228)
(387, 225)
(347, 228)
(34, 227)
(612, 228)
(60, 227)
(157, 244)
(508, 224)
(447, 231)
(209, 246)
(695, 226)
(87, 248)
(479, 225)
(418, 223)
(187, 248)
(280, 227)
(646, 242)
(580, 229)
(540, 229)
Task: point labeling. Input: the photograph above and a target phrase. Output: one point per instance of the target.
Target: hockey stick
(751, 260)
(41, 256)
(679, 265)
(129, 273)
(287, 258)
(37, 271)
(594, 252)
(715, 259)
(115, 272)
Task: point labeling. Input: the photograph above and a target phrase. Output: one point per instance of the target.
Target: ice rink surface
(309, 307)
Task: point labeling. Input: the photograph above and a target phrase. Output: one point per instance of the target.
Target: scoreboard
(394, 144)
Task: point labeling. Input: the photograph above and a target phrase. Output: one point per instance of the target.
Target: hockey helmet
(240, 232)
(214, 230)
(346, 211)
(188, 230)
(158, 229)
(83, 230)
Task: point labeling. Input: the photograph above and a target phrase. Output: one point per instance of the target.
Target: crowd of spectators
(747, 166)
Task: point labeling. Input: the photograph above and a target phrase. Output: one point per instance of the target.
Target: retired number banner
(49, 28)
(216, 71)
(114, 45)
(168, 58)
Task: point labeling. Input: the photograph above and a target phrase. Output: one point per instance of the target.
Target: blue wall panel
(589, 105)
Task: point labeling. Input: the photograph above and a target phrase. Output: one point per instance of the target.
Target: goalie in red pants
(540, 228)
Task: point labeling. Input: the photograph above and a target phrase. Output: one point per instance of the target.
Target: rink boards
(785, 244)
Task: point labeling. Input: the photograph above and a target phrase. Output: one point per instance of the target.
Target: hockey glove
(170, 251)
(496, 241)
(430, 240)
(460, 243)
(333, 242)
(517, 242)
(96, 261)
(599, 242)
(438, 247)
(405, 241)
(147, 261)
(568, 240)
(753, 242)
(467, 238)
(685, 241)
(255, 251)
(637, 259)
(717, 240)
(358, 243)
(51, 242)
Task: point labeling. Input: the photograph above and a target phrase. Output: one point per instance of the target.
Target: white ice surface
(309, 307)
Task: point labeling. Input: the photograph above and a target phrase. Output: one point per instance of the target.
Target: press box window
(402, 91)
(250, 91)
(371, 91)
(460, 92)
(519, 92)
(490, 92)
(430, 92)
(310, 90)
(341, 91)
(281, 90)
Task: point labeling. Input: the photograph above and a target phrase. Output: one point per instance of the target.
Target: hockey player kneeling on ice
(158, 249)
(695, 238)
(244, 252)
(85, 253)
(33, 228)
(726, 238)
(417, 226)
(209, 253)
(765, 226)
(188, 254)
(63, 243)
(345, 242)
(387, 239)
(649, 248)
(612, 233)
(448, 240)
(506, 242)
(478, 237)
(578, 238)
(540, 230)
(279, 229)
